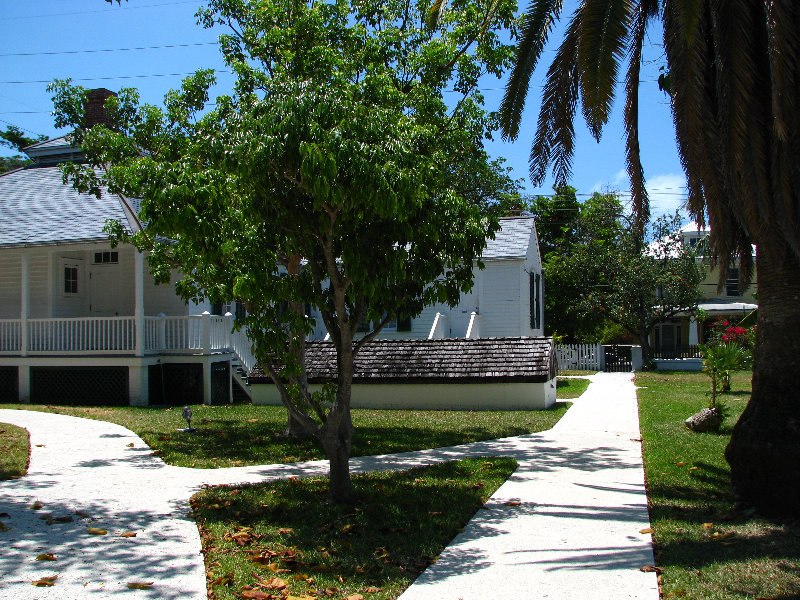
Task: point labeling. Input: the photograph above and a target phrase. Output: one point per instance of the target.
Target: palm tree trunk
(764, 451)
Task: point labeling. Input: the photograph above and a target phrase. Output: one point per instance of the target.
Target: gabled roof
(487, 360)
(512, 240)
(37, 208)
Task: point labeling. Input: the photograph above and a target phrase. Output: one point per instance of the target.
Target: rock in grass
(708, 419)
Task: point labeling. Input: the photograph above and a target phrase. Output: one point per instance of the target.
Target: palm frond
(604, 34)
(435, 13)
(554, 141)
(537, 23)
(646, 10)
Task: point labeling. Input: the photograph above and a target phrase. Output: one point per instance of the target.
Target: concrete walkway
(565, 525)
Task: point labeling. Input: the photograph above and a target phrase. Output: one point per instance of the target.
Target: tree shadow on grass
(401, 522)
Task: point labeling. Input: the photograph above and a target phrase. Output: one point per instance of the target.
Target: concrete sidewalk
(565, 525)
(575, 533)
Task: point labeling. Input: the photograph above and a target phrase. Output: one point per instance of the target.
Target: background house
(675, 337)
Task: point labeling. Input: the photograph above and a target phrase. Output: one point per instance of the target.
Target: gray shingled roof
(512, 240)
(37, 208)
(488, 360)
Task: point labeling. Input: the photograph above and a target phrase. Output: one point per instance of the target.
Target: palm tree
(734, 83)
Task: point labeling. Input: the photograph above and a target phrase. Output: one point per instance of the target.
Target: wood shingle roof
(487, 360)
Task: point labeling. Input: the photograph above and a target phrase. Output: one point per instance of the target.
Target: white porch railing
(10, 336)
(587, 357)
(242, 347)
(106, 335)
(195, 334)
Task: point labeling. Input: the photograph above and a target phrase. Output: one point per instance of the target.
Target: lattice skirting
(9, 384)
(181, 383)
(80, 386)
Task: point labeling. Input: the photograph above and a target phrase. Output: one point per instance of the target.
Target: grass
(571, 388)
(240, 435)
(263, 537)
(15, 451)
(708, 547)
(576, 372)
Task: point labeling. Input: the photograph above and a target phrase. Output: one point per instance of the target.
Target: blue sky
(152, 44)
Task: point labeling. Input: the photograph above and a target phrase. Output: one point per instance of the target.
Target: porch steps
(242, 393)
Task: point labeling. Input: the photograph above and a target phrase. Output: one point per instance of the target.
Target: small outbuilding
(512, 373)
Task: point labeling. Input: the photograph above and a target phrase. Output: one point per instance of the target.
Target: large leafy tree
(734, 82)
(570, 232)
(334, 176)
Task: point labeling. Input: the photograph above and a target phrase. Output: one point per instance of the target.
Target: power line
(115, 77)
(89, 12)
(109, 49)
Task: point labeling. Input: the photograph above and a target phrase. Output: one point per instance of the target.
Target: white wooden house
(84, 323)
(506, 300)
(81, 322)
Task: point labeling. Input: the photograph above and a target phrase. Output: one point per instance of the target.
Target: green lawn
(15, 450)
(707, 546)
(248, 435)
(571, 388)
(283, 536)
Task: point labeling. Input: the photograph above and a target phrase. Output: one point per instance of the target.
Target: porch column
(25, 303)
(138, 302)
(693, 335)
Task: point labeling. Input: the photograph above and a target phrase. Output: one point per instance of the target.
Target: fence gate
(618, 359)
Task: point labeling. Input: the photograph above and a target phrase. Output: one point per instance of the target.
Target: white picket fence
(588, 357)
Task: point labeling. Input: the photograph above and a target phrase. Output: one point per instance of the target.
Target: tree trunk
(764, 451)
(295, 428)
(336, 434)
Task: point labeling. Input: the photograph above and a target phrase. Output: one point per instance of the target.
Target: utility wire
(89, 12)
(55, 53)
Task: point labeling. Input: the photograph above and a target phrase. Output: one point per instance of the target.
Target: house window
(536, 300)
(106, 258)
(732, 283)
(70, 279)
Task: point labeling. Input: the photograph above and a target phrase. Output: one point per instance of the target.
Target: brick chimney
(95, 107)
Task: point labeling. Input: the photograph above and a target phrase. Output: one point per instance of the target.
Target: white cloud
(667, 192)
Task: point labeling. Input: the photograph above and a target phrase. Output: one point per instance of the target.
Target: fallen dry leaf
(45, 581)
(513, 503)
(46, 557)
(96, 531)
(130, 445)
(680, 464)
(140, 585)
(651, 569)
(646, 530)
(128, 534)
(708, 525)
(285, 530)
(4, 527)
(39, 445)
(355, 597)
(253, 420)
(694, 468)
(84, 515)
(36, 505)
(66, 519)
(255, 595)
(226, 579)
(372, 590)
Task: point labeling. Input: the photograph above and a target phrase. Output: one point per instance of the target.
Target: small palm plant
(719, 361)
